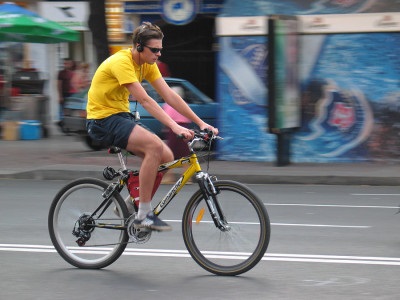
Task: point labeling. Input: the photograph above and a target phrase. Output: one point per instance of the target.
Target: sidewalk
(62, 157)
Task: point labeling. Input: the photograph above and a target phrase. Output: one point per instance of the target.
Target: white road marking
(287, 224)
(331, 205)
(287, 257)
(322, 225)
(357, 194)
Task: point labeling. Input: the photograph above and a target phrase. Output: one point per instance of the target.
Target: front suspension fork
(210, 196)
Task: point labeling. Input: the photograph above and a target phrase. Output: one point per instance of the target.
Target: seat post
(121, 160)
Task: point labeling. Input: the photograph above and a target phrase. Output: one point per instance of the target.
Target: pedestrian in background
(64, 85)
(178, 146)
(80, 79)
(163, 67)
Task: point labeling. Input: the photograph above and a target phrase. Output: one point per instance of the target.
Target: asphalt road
(328, 242)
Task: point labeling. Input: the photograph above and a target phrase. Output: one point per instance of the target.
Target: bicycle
(225, 226)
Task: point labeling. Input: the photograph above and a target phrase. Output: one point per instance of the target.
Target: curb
(54, 174)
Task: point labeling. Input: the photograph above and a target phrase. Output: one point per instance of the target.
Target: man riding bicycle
(110, 121)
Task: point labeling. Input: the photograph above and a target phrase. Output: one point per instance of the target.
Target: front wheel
(243, 240)
(84, 239)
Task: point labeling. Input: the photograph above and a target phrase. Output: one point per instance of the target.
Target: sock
(144, 209)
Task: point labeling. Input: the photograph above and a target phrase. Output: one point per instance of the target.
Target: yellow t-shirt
(107, 95)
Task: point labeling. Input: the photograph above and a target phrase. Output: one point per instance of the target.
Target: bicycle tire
(78, 198)
(235, 251)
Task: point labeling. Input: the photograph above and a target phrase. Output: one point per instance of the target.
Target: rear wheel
(243, 240)
(83, 240)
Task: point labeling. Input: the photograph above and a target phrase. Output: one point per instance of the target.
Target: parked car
(75, 110)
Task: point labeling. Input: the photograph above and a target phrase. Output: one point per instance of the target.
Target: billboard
(349, 89)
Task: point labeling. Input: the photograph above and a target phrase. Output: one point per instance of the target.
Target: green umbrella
(20, 25)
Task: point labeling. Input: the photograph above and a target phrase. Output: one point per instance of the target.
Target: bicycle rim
(81, 198)
(236, 250)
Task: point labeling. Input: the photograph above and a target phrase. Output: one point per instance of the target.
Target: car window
(192, 98)
(150, 91)
(187, 92)
(188, 95)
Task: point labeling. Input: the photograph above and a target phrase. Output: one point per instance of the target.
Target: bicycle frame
(194, 168)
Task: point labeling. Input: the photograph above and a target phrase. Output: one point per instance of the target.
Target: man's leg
(154, 152)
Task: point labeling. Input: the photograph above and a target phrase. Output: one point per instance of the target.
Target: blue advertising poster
(242, 94)
(350, 88)
(307, 7)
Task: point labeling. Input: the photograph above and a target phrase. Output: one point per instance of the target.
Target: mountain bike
(225, 226)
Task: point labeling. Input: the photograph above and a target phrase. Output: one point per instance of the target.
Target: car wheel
(96, 146)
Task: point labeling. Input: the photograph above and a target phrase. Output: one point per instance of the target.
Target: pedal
(109, 173)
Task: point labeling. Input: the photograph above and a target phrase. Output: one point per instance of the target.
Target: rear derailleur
(83, 228)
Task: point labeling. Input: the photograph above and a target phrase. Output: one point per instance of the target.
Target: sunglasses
(154, 50)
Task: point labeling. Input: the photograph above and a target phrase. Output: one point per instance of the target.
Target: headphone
(140, 46)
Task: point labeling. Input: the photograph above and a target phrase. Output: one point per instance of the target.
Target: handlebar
(206, 136)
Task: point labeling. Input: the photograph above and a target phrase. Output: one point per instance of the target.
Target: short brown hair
(145, 32)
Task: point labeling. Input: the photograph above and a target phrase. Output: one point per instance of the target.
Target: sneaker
(152, 222)
(129, 205)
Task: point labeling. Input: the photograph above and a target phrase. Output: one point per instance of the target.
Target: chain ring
(140, 235)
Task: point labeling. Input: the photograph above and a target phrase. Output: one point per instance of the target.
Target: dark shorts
(113, 130)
